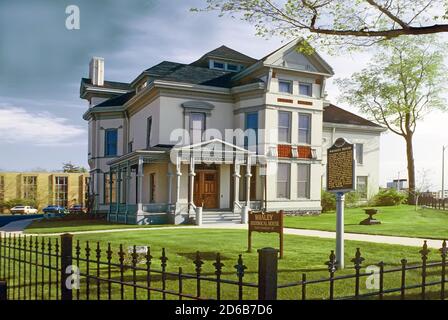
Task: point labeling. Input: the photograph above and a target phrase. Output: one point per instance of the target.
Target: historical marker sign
(341, 167)
(269, 222)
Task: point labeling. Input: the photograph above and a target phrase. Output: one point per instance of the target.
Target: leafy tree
(71, 168)
(347, 22)
(403, 82)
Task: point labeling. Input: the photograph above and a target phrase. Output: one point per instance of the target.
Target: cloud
(18, 125)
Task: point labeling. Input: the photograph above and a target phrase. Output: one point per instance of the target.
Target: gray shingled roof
(334, 114)
(110, 84)
(117, 101)
(163, 68)
(201, 76)
(225, 53)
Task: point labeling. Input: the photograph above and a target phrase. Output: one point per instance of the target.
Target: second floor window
(359, 149)
(306, 89)
(197, 127)
(30, 188)
(251, 138)
(284, 127)
(148, 132)
(285, 86)
(111, 143)
(304, 128)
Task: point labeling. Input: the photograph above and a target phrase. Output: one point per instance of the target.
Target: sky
(42, 63)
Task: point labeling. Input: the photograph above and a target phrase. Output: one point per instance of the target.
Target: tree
(71, 168)
(423, 185)
(348, 22)
(399, 87)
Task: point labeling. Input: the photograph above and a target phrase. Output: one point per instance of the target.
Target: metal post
(340, 197)
(267, 273)
(66, 266)
(3, 291)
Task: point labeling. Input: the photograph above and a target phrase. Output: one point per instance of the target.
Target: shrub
(388, 197)
(328, 201)
(19, 202)
(352, 199)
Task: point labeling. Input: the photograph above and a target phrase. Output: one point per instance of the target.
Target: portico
(168, 185)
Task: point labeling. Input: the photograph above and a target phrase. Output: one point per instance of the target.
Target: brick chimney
(96, 71)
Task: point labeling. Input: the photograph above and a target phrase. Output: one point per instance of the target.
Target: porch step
(220, 217)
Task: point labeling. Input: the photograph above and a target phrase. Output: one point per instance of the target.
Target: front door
(206, 189)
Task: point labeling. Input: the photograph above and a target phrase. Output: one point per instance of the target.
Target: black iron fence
(432, 202)
(35, 268)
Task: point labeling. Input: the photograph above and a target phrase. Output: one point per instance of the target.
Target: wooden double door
(206, 189)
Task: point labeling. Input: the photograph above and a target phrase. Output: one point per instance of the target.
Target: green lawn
(302, 255)
(398, 221)
(65, 225)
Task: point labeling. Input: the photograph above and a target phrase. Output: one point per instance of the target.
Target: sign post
(340, 180)
(268, 222)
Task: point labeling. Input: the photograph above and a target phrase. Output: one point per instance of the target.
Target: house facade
(226, 133)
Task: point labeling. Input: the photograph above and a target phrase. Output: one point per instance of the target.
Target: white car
(23, 210)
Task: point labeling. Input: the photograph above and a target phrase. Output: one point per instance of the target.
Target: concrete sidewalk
(16, 227)
(19, 226)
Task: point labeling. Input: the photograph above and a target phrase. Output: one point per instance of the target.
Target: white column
(340, 197)
(248, 175)
(192, 174)
(140, 186)
(170, 185)
(128, 189)
(236, 188)
(178, 176)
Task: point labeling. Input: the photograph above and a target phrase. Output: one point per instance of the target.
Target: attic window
(218, 65)
(232, 67)
(221, 65)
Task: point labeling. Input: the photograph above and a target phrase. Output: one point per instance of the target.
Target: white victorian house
(168, 143)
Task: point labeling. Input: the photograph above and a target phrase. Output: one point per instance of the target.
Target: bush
(352, 199)
(328, 201)
(388, 197)
(19, 202)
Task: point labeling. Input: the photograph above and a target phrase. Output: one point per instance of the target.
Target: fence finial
(425, 251)
(240, 267)
(444, 249)
(198, 263)
(332, 262)
(218, 264)
(358, 259)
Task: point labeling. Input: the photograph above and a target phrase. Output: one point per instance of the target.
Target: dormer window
(232, 67)
(219, 65)
(225, 66)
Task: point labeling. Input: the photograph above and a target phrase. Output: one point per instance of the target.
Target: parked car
(77, 208)
(23, 210)
(54, 209)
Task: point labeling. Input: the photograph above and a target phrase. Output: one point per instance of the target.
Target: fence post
(66, 262)
(3, 290)
(267, 273)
